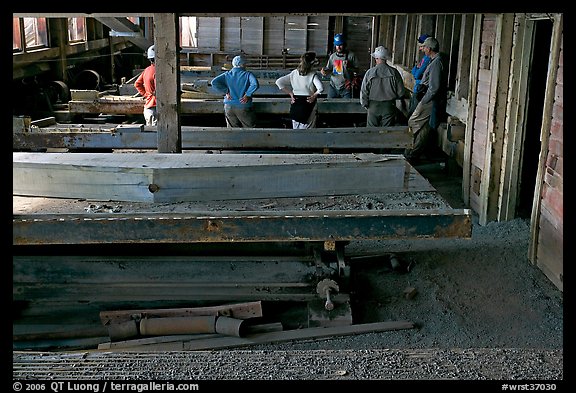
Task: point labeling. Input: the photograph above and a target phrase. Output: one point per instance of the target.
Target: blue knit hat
(422, 38)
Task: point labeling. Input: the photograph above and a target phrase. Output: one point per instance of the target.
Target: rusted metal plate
(336, 225)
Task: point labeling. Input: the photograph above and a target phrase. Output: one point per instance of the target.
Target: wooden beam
(238, 311)
(549, 98)
(496, 132)
(283, 336)
(201, 177)
(168, 82)
(516, 116)
(143, 342)
(125, 105)
(86, 136)
(472, 98)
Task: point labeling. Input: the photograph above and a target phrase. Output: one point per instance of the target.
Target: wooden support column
(454, 51)
(386, 31)
(515, 123)
(374, 39)
(411, 47)
(463, 72)
(427, 24)
(491, 176)
(59, 30)
(472, 97)
(549, 99)
(400, 32)
(166, 40)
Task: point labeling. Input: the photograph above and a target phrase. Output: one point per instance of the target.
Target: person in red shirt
(146, 86)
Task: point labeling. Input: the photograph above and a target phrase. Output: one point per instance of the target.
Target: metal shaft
(328, 305)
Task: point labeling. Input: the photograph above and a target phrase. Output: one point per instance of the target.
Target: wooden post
(167, 46)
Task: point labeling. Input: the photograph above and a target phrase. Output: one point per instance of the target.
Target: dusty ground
(481, 309)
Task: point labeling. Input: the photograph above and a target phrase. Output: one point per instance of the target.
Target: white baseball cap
(381, 53)
(151, 54)
(238, 61)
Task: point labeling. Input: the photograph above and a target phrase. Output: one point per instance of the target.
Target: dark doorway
(534, 114)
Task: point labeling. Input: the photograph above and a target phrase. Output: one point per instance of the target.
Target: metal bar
(336, 225)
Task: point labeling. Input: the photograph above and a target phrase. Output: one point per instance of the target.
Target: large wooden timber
(201, 86)
(138, 136)
(126, 105)
(207, 177)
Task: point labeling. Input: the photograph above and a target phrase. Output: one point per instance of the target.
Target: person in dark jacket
(381, 86)
(431, 110)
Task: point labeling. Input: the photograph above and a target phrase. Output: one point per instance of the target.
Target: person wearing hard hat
(238, 86)
(381, 86)
(146, 86)
(342, 68)
(431, 108)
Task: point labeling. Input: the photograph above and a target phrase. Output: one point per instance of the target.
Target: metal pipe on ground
(122, 331)
(230, 326)
(177, 325)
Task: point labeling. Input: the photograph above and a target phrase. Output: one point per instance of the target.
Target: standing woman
(304, 86)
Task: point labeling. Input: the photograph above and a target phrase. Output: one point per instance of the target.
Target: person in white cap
(418, 73)
(238, 86)
(303, 85)
(381, 86)
(146, 86)
(431, 110)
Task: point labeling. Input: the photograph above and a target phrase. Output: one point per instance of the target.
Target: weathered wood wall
(550, 225)
(481, 119)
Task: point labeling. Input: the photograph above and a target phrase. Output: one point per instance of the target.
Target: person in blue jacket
(418, 72)
(238, 86)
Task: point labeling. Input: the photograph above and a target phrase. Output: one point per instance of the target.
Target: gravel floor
(375, 364)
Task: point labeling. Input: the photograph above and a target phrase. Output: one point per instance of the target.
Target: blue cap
(339, 39)
(422, 38)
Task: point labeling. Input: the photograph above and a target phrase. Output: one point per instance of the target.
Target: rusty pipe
(122, 331)
(229, 326)
(177, 325)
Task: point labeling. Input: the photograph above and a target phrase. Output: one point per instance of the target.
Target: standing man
(431, 110)
(239, 86)
(146, 86)
(342, 68)
(381, 86)
(418, 73)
